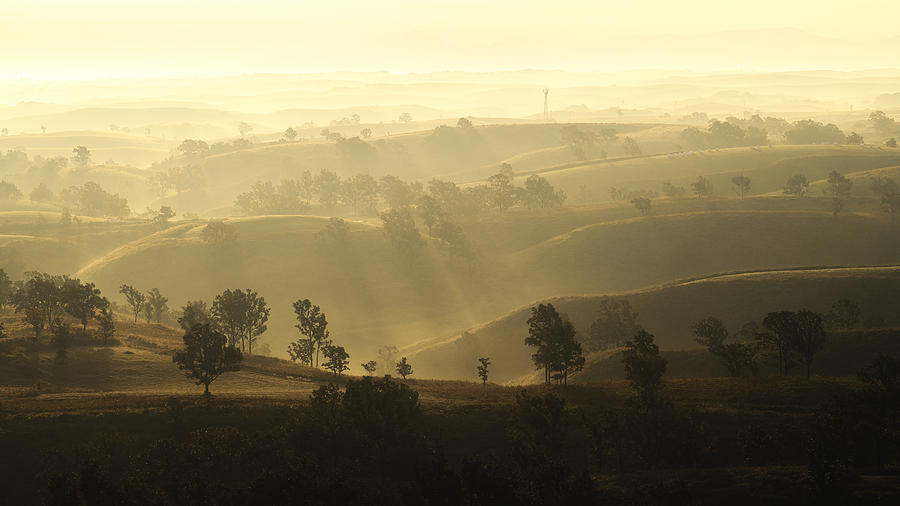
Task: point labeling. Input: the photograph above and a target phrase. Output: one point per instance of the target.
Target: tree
(41, 299)
(313, 325)
(464, 123)
(359, 191)
(672, 191)
(386, 356)
(135, 298)
(540, 193)
(797, 185)
(369, 367)
(702, 187)
(405, 237)
(838, 189)
(810, 336)
(106, 324)
(782, 329)
(328, 188)
(194, 312)
(82, 300)
(217, 233)
(742, 185)
(854, 138)
(62, 339)
(644, 367)
(484, 362)
(157, 304)
(333, 235)
(813, 132)
(244, 128)
(163, 216)
(737, 357)
(206, 355)
(290, 134)
(193, 147)
(642, 204)
(395, 192)
(365, 133)
(888, 195)
(337, 360)
(405, 117)
(81, 155)
(882, 122)
(630, 146)
(91, 199)
(41, 193)
(9, 191)
(503, 193)
(558, 353)
(891, 143)
(615, 322)
(6, 289)
(403, 368)
(242, 316)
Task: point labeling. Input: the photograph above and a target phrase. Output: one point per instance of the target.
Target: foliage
(702, 187)
(483, 364)
(41, 298)
(737, 357)
(558, 353)
(9, 191)
(401, 229)
(844, 314)
(206, 356)
(241, 315)
(157, 304)
(135, 298)
(92, 200)
(642, 204)
(741, 184)
(267, 198)
(404, 369)
(313, 325)
(615, 322)
(813, 132)
(81, 155)
(540, 193)
(838, 189)
(644, 367)
(217, 232)
(797, 185)
(369, 367)
(337, 360)
(194, 312)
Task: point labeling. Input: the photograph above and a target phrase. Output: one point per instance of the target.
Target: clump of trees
(838, 190)
(43, 299)
(241, 315)
(616, 321)
(812, 132)
(724, 134)
(583, 142)
(557, 352)
(267, 198)
(737, 357)
(90, 199)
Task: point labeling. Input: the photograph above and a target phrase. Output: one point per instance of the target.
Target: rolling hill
(668, 312)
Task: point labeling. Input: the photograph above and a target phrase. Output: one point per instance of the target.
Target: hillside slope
(668, 312)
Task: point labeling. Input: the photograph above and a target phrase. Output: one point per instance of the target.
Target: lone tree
(741, 185)
(337, 360)
(484, 362)
(217, 232)
(157, 304)
(797, 185)
(135, 298)
(644, 367)
(403, 368)
(106, 324)
(81, 155)
(558, 353)
(290, 134)
(838, 190)
(82, 300)
(615, 322)
(370, 367)
(313, 326)
(206, 355)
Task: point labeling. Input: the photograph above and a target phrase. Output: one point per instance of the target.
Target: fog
(449, 252)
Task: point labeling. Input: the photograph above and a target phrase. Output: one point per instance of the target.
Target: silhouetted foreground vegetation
(375, 442)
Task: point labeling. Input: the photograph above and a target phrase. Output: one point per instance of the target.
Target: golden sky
(56, 39)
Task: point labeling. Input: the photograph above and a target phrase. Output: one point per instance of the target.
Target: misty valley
(451, 287)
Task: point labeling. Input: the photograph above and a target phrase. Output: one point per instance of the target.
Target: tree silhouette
(313, 325)
(337, 360)
(741, 184)
(644, 367)
(797, 185)
(484, 362)
(206, 355)
(403, 368)
(838, 189)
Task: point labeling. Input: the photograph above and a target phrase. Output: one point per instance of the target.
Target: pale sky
(80, 39)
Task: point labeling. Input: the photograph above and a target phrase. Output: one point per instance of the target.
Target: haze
(462, 253)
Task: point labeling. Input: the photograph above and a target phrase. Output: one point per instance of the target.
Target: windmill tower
(546, 105)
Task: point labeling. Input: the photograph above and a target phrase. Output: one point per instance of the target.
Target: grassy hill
(125, 148)
(767, 167)
(668, 312)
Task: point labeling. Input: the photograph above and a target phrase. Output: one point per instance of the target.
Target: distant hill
(668, 312)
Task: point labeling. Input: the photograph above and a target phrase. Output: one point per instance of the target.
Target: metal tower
(546, 106)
